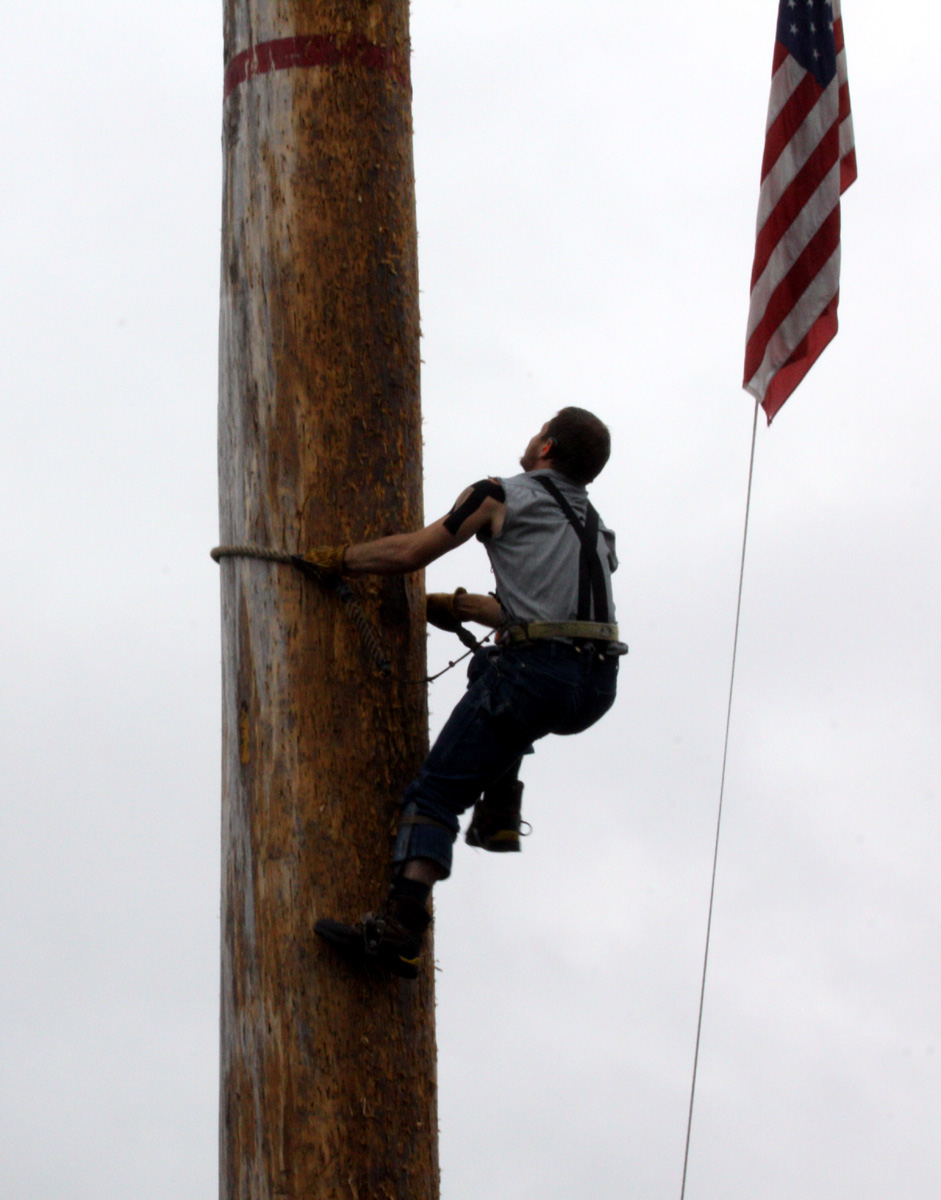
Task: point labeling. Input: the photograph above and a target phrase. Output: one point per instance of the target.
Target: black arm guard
(479, 493)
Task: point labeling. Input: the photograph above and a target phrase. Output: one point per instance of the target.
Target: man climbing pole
(553, 669)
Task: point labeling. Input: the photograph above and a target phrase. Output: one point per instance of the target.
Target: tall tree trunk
(327, 1078)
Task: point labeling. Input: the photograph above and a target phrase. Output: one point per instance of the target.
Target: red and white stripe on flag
(809, 161)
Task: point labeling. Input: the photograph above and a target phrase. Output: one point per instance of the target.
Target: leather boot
(496, 824)
(390, 940)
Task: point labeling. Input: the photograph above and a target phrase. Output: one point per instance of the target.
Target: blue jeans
(515, 695)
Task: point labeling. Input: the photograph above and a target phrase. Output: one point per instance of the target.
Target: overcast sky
(587, 182)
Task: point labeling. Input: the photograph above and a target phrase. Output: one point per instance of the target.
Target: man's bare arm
(402, 553)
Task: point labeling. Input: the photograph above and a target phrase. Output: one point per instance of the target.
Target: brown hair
(581, 444)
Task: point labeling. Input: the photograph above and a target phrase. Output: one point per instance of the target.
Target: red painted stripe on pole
(316, 50)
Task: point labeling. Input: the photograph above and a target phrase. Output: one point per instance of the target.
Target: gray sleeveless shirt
(536, 557)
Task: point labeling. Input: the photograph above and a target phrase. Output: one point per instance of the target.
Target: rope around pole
(725, 758)
(368, 635)
(364, 627)
(280, 556)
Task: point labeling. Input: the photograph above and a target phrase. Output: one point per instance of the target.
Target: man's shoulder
(491, 487)
(530, 481)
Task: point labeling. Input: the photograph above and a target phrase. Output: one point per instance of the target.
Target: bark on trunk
(327, 1079)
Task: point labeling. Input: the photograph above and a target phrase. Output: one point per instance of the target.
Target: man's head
(574, 442)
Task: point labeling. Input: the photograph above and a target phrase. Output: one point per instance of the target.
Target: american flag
(809, 161)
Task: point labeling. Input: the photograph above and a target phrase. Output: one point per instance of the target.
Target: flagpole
(725, 757)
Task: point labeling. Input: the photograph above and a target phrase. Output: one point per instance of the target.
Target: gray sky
(587, 183)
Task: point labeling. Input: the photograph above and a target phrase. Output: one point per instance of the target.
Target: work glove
(324, 563)
(440, 609)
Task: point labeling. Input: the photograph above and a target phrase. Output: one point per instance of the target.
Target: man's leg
(477, 745)
(423, 870)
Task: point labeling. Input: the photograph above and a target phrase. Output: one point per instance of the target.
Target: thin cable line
(725, 757)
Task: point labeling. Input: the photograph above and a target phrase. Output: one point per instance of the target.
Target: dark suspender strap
(584, 584)
(591, 581)
(593, 564)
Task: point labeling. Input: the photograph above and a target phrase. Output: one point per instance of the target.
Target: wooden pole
(327, 1078)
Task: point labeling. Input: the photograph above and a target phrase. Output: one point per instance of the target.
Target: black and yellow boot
(390, 940)
(496, 824)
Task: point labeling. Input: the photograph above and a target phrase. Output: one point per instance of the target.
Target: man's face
(532, 454)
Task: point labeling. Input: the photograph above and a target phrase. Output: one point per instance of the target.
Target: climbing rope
(372, 643)
(280, 556)
(470, 641)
